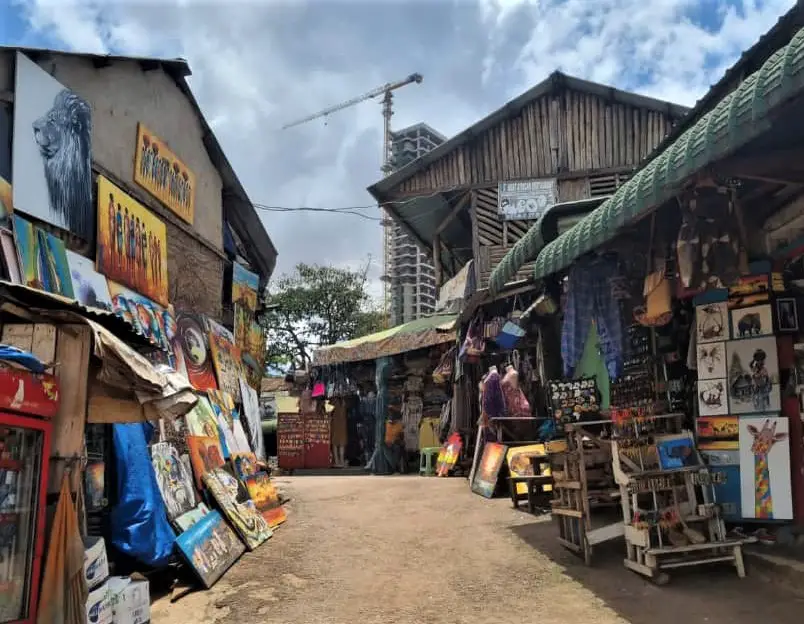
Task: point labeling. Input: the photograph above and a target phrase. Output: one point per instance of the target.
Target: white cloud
(260, 64)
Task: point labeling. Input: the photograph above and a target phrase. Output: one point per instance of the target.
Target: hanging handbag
(510, 333)
(443, 371)
(473, 345)
(319, 390)
(658, 308)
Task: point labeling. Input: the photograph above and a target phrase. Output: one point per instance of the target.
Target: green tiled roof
(523, 250)
(740, 117)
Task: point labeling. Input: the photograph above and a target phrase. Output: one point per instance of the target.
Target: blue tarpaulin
(140, 527)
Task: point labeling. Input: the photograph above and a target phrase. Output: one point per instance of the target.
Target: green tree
(316, 306)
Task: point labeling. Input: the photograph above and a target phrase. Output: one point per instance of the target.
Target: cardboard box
(96, 563)
(131, 600)
(99, 608)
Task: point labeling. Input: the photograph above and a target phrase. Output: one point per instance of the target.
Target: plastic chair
(427, 460)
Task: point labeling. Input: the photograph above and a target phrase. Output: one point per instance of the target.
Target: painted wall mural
(132, 243)
(89, 286)
(52, 155)
(765, 468)
(42, 259)
(159, 171)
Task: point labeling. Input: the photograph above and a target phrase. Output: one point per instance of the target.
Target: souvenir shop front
(680, 303)
(386, 403)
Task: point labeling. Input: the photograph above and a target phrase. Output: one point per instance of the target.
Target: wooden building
(579, 138)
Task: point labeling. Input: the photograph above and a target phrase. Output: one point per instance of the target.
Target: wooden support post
(437, 259)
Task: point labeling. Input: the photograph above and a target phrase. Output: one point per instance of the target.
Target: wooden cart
(650, 548)
(583, 482)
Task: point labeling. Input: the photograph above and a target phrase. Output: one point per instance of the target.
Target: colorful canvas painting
(245, 465)
(6, 203)
(210, 547)
(717, 427)
(159, 171)
(42, 259)
(752, 321)
(191, 337)
(205, 455)
(487, 473)
(11, 260)
(520, 465)
(188, 519)
(765, 486)
(449, 454)
(753, 369)
(52, 155)
(132, 243)
(712, 322)
(677, 451)
(226, 358)
(223, 404)
(251, 414)
(95, 485)
(245, 285)
(712, 360)
(246, 520)
(89, 286)
(266, 498)
(713, 399)
(175, 483)
(201, 420)
(250, 337)
(148, 317)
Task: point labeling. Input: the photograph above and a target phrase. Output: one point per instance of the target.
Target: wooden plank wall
(569, 131)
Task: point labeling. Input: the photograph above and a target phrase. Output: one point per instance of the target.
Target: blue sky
(258, 64)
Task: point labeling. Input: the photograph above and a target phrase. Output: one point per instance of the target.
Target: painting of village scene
(132, 243)
(210, 547)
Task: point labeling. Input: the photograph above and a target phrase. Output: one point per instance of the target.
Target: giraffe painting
(763, 440)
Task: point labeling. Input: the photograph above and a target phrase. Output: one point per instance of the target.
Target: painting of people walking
(132, 243)
(210, 547)
(159, 171)
(52, 155)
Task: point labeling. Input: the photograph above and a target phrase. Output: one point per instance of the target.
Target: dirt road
(399, 550)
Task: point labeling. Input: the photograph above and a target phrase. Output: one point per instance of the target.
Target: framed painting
(712, 322)
(753, 375)
(713, 397)
(42, 259)
(89, 286)
(175, 483)
(266, 498)
(519, 463)
(210, 547)
(711, 360)
(787, 314)
(245, 285)
(717, 427)
(488, 472)
(765, 486)
(677, 451)
(193, 344)
(132, 243)
(244, 517)
(52, 153)
(752, 322)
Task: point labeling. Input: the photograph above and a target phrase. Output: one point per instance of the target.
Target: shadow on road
(704, 594)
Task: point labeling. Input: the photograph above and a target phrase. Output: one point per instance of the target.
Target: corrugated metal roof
(741, 116)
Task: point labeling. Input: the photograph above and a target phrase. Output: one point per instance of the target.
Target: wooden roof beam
(463, 202)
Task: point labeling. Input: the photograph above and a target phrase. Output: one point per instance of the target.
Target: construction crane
(387, 111)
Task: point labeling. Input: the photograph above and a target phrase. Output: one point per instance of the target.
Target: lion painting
(63, 137)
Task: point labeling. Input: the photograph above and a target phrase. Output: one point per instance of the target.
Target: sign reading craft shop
(526, 199)
(163, 175)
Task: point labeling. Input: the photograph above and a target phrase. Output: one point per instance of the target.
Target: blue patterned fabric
(589, 299)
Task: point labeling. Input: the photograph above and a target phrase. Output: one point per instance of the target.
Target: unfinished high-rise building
(410, 273)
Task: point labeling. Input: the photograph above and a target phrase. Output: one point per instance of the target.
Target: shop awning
(418, 334)
(542, 232)
(740, 117)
